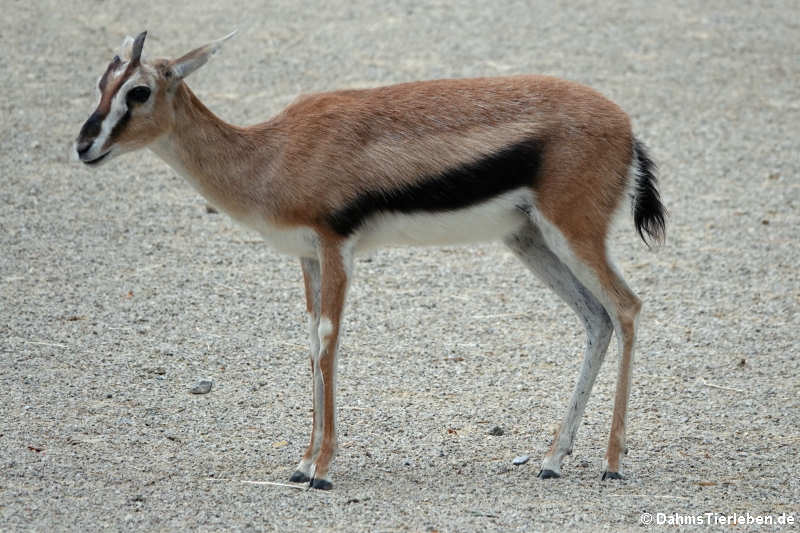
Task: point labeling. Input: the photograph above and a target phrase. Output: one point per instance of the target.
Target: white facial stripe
(119, 107)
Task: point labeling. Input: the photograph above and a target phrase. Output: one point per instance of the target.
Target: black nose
(89, 131)
(84, 145)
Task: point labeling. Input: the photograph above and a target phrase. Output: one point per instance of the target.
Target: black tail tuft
(649, 214)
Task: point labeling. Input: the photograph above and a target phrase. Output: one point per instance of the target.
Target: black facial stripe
(120, 125)
(91, 128)
(510, 168)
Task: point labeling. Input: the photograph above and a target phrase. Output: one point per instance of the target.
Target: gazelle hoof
(548, 474)
(611, 475)
(299, 477)
(321, 484)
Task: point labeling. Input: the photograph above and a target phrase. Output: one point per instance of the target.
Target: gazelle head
(135, 98)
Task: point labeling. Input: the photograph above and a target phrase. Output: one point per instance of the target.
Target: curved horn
(136, 53)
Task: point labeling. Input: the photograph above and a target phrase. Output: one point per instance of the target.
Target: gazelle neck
(225, 163)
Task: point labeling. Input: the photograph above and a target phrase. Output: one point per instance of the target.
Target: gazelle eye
(138, 95)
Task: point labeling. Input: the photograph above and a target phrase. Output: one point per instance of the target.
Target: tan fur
(312, 293)
(325, 150)
(391, 136)
(308, 455)
(334, 288)
(108, 91)
(144, 127)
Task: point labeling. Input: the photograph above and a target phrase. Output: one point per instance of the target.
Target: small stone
(202, 387)
(211, 210)
(521, 460)
(167, 349)
(497, 431)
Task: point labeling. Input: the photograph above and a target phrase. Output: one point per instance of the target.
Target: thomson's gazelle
(539, 162)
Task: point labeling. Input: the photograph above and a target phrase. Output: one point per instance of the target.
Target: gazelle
(541, 163)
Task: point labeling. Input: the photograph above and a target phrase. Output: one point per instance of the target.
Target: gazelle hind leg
(529, 245)
(588, 260)
(312, 283)
(625, 325)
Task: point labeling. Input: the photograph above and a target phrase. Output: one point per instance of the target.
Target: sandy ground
(118, 292)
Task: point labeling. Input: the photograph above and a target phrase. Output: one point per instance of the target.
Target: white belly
(299, 241)
(487, 221)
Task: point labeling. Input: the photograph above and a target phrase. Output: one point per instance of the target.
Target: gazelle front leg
(336, 263)
(311, 281)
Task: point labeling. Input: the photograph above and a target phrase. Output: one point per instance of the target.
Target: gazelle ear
(185, 65)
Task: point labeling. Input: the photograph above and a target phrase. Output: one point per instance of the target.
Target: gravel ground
(119, 292)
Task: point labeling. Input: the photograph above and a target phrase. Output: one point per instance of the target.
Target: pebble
(497, 431)
(521, 460)
(202, 387)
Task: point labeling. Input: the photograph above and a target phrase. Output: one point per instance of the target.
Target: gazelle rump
(538, 162)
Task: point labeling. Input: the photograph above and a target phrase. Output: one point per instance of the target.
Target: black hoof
(299, 477)
(321, 484)
(611, 475)
(548, 474)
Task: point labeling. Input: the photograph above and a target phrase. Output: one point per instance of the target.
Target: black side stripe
(510, 168)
